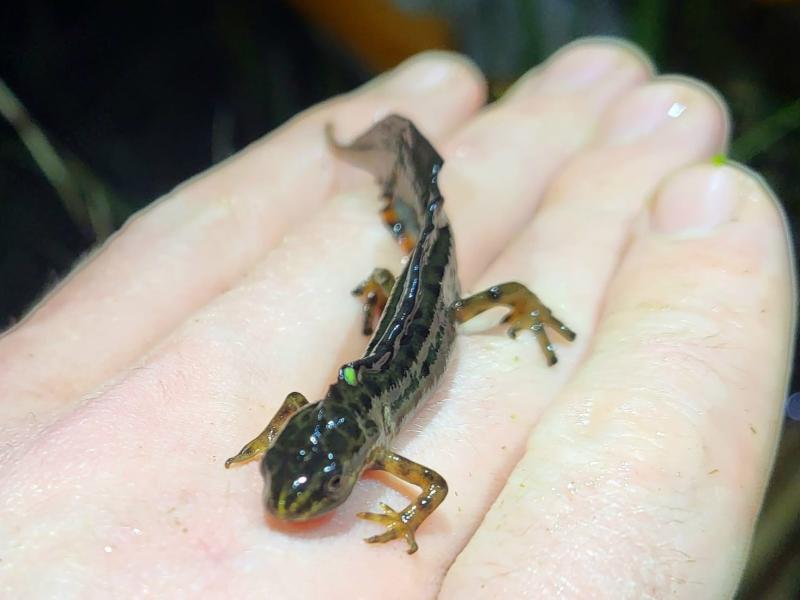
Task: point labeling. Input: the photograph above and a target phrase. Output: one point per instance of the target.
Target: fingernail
(648, 110)
(579, 66)
(421, 75)
(695, 202)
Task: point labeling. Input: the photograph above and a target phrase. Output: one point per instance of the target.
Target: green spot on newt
(349, 376)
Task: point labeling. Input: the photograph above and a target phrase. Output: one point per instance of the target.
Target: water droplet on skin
(676, 110)
(108, 549)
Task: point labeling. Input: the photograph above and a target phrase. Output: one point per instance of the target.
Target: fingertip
(695, 201)
(437, 90)
(434, 71)
(670, 111)
(584, 64)
(712, 96)
(610, 41)
(602, 50)
(712, 193)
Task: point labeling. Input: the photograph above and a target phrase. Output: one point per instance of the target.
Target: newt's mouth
(297, 505)
(287, 512)
(289, 504)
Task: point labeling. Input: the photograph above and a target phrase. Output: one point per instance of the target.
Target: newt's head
(313, 464)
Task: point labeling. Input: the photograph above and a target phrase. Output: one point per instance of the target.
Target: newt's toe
(398, 526)
(526, 312)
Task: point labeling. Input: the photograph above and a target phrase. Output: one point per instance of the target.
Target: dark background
(106, 106)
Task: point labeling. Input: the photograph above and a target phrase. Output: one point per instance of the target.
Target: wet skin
(313, 454)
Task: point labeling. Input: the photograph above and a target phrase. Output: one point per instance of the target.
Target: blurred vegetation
(106, 106)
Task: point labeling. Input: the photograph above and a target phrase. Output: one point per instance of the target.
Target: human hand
(634, 468)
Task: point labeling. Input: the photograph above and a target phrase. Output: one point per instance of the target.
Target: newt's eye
(334, 483)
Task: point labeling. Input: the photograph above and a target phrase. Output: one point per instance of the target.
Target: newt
(314, 453)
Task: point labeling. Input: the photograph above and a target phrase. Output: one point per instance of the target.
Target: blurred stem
(88, 205)
(780, 519)
(45, 156)
(785, 582)
(762, 135)
(648, 18)
(532, 47)
(97, 199)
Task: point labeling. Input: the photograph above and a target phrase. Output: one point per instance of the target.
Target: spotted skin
(313, 454)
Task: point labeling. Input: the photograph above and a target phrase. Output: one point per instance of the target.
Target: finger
(198, 241)
(645, 477)
(499, 164)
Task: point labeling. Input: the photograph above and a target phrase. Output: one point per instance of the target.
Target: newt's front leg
(527, 312)
(405, 523)
(256, 447)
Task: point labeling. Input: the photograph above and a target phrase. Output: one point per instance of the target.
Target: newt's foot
(527, 312)
(534, 315)
(374, 291)
(398, 525)
(258, 446)
(251, 451)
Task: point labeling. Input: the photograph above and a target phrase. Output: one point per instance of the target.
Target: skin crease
(634, 468)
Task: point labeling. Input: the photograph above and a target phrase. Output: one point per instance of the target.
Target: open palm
(633, 468)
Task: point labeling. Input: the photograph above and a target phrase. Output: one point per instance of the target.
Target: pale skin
(633, 468)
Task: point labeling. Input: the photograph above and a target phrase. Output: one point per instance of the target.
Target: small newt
(314, 453)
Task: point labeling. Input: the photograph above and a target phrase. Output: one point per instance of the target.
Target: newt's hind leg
(402, 525)
(399, 230)
(374, 291)
(256, 447)
(527, 312)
